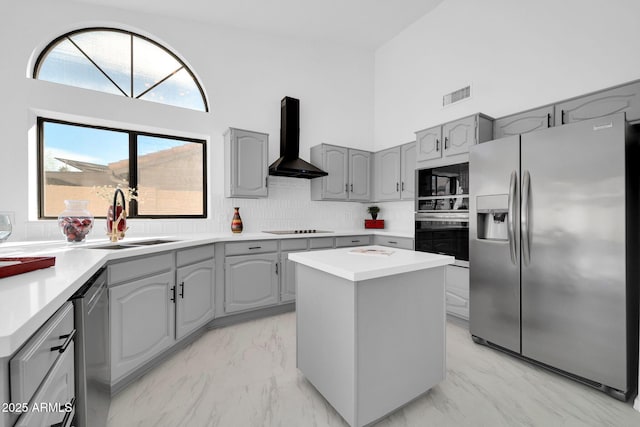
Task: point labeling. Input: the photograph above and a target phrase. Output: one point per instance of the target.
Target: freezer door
(573, 249)
(494, 242)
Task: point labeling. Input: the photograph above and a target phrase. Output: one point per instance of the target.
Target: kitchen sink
(129, 245)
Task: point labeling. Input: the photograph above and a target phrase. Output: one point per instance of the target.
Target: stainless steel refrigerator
(552, 240)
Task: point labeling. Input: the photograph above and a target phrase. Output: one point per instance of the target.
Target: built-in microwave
(442, 211)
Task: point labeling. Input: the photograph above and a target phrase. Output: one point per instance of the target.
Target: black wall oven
(442, 211)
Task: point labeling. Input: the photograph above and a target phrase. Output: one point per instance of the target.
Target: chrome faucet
(116, 235)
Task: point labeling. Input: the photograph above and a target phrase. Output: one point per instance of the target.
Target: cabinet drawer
(140, 267)
(395, 242)
(58, 388)
(193, 255)
(321, 243)
(30, 365)
(293, 245)
(345, 241)
(251, 247)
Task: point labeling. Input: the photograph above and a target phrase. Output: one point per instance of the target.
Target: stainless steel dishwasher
(92, 376)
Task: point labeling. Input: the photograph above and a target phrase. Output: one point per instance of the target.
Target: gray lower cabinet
(288, 277)
(57, 388)
(527, 121)
(250, 281)
(195, 301)
(457, 291)
(246, 155)
(625, 98)
(393, 241)
(142, 321)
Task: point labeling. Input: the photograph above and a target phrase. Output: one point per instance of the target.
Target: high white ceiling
(361, 23)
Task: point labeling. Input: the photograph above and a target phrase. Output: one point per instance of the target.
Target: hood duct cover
(289, 164)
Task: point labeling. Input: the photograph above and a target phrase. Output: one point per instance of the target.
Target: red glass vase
(122, 225)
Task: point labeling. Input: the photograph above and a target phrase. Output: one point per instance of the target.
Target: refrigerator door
(573, 257)
(494, 242)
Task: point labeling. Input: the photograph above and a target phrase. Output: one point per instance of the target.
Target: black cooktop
(309, 231)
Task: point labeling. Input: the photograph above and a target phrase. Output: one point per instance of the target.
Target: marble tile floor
(245, 375)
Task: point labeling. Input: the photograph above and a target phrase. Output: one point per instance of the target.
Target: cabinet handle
(346, 188)
(65, 420)
(397, 187)
(561, 117)
(392, 242)
(255, 247)
(402, 187)
(352, 188)
(266, 181)
(173, 293)
(182, 290)
(65, 344)
(548, 120)
(446, 143)
(277, 267)
(437, 144)
(355, 241)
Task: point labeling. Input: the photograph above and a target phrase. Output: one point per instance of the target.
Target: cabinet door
(408, 171)
(359, 175)
(250, 281)
(57, 388)
(621, 99)
(142, 321)
(459, 136)
(387, 174)
(529, 121)
(457, 290)
(429, 144)
(287, 278)
(336, 164)
(248, 163)
(195, 300)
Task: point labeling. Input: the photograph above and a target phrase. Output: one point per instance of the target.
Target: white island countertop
(352, 264)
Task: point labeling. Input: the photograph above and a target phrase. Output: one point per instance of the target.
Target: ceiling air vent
(456, 96)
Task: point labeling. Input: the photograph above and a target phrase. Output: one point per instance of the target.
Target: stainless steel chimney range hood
(290, 164)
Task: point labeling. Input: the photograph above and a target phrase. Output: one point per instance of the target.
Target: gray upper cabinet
(394, 173)
(246, 156)
(408, 155)
(527, 121)
(624, 98)
(142, 321)
(451, 141)
(251, 281)
(429, 144)
(387, 174)
(349, 173)
(195, 296)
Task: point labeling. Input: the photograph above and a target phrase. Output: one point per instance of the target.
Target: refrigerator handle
(511, 219)
(524, 219)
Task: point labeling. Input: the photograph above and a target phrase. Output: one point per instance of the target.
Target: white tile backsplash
(288, 207)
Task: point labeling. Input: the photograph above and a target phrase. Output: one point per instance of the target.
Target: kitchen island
(370, 326)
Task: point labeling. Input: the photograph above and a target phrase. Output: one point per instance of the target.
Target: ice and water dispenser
(493, 217)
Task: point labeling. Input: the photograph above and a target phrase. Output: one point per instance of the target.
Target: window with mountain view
(78, 161)
(121, 63)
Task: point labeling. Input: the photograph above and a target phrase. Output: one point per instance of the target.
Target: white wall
(245, 76)
(516, 54)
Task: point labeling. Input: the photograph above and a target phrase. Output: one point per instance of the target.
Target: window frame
(132, 212)
(45, 53)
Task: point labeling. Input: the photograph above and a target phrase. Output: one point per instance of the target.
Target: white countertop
(28, 300)
(344, 263)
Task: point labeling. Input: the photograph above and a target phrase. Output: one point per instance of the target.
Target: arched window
(121, 63)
